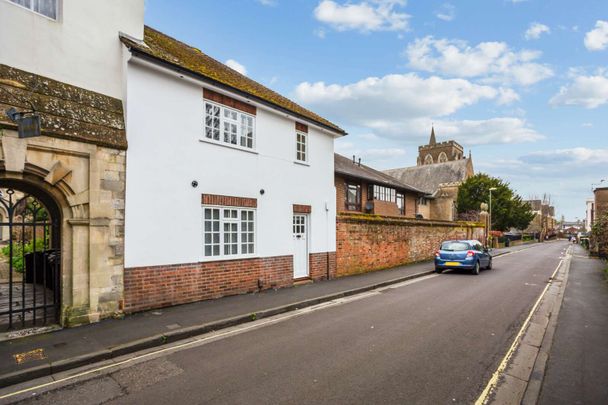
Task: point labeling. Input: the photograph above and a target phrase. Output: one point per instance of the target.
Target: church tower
(439, 152)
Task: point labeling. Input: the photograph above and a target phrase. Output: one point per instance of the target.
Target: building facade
(230, 185)
(359, 188)
(61, 61)
(161, 176)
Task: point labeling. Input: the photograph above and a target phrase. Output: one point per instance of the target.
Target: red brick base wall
(322, 263)
(162, 286)
(369, 242)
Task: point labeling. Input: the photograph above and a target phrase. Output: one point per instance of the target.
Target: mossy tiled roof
(169, 50)
(66, 111)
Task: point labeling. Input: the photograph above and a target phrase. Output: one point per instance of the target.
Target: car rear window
(455, 246)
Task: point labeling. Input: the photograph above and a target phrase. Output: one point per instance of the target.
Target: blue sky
(521, 83)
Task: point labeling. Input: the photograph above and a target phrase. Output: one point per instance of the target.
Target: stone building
(360, 188)
(544, 223)
(440, 171)
(62, 61)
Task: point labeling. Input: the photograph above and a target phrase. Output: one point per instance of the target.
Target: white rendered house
(229, 185)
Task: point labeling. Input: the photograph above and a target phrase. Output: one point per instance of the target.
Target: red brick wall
(318, 265)
(374, 243)
(385, 208)
(162, 286)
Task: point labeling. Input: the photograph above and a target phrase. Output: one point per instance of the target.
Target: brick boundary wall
(318, 265)
(162, 286)
(372, 242)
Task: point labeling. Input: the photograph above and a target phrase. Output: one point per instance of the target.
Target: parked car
(462, 254)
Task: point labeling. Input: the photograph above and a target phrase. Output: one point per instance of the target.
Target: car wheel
(475, 270)
(438, 270)
(489, 265)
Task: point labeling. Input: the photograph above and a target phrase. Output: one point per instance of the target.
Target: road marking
(503, 364)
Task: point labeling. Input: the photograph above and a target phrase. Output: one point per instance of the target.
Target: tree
(508, 208)
(599, 235)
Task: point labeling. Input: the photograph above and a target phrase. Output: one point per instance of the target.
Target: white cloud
(494, 62)
(536, 30)
(402, 107)
(578, 155)
(271, 3)
(364, 16)
(447, 12)
(597, 39)
(587, 91)
(501, 130)
(587, 125)
(507, 96)
(396, 95)
(231, 63)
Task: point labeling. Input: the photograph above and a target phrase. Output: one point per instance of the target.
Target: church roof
(175, 54)
(346, 167)
(429, 177)
(433, 140)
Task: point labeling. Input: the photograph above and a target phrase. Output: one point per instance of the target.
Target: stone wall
(87, 182)
(370, 242)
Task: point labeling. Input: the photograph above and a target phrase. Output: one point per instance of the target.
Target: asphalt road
(436, 341)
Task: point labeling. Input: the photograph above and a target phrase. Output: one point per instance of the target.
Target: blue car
(462, 254)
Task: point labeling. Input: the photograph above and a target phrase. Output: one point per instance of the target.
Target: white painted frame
(222, 256)
(222, 120)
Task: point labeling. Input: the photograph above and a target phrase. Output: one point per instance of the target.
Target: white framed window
(301, 146)
(47, 8)
(229, 126)
(228, 232)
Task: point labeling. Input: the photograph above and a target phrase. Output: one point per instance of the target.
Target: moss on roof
(168, 49)
(66, 111)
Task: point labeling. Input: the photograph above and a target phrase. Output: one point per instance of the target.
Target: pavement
(65, 349)
(577, 368)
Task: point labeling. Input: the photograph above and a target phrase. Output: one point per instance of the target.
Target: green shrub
(19, 251)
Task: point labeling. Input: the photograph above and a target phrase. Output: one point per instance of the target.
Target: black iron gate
(29, 261)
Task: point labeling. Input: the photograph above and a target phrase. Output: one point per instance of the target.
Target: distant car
(462, 254)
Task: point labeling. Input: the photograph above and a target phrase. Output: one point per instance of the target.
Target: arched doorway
(30, 255)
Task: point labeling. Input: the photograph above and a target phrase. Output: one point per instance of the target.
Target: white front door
(300, 246)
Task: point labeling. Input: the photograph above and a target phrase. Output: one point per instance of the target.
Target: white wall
(81, 48)
(163, 211)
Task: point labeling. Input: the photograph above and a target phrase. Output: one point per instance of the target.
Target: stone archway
(30, 256)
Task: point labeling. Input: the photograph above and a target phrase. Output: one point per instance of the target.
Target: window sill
(297, 162)
(227, 258)
(229, 146)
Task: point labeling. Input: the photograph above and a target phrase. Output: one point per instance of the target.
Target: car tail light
(437, 254)
(470, 253)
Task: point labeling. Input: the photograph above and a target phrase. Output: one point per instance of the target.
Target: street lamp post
(490, 216)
